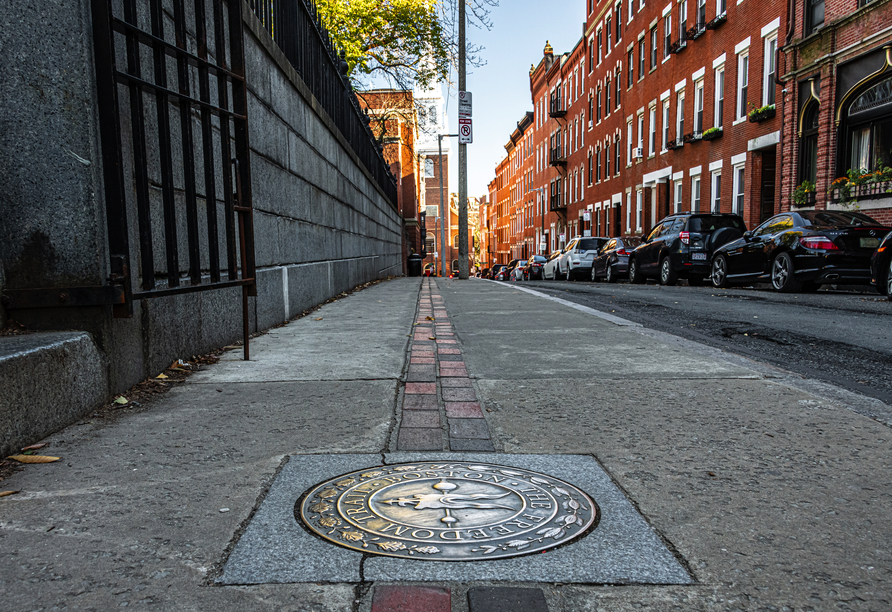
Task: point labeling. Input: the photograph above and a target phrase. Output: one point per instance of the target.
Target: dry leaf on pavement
(121, 400)
(319, 319)
(33, 458)
(429, 318)
(5, 493)
(162, 375)
(34, 447)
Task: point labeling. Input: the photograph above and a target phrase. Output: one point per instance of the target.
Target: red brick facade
(614, 148)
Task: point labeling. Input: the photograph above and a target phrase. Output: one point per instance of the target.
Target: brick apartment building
(699, 105)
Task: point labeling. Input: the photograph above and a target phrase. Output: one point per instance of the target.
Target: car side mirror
(748, 236)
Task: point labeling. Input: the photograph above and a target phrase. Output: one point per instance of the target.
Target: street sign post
(465, 131)
(464, 103)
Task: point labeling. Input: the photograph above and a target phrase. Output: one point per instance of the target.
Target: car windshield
(521, 263)
(710, 223)
(836, 217)
(538, 259)
(589, 244)
(631, 242)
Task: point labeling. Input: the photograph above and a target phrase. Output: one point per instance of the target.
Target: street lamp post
(444, 206)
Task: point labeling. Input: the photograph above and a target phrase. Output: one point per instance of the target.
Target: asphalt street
(839, 337)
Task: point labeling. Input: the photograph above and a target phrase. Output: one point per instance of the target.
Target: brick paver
(399, 598)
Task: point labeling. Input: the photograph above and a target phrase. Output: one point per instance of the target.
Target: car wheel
(782, 274)
(668, 276)
(719, 272)
(594, 277)
(611, 275)
(635, 276)
(557, 273)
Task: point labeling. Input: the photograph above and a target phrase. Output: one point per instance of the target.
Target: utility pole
(444, 206)
(463, 271)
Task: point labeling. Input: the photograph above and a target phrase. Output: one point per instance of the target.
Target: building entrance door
(769, 171)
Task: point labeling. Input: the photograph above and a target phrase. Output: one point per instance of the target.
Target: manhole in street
(447, 511)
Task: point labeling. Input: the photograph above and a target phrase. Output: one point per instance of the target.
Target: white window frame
(767, 79)
(630, 135)
(666, 124)
(679, 195)
(679, 116)
(652, 133)
(699, 94)
(715, 191)
(599, 37)
(719, 102)
(628, 212)
(639, 209)
(738, 202)
(740, 104)
(696, 186)
(641, 131)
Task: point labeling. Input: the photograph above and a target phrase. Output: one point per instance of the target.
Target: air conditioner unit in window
(638, 153)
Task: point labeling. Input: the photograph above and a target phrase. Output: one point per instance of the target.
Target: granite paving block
(448, 351)
(445, 341)
(505, 599)
(463, 410)
(420, 439)
(422, 361)
(472, 429)
(421, 376)
(458, 395)
(457, 381)
(466, 445)
(404, 598)
(445, 358)
(420, 402)
(420, 418)
(421, 388)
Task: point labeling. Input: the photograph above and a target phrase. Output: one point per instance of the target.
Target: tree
(405, 42)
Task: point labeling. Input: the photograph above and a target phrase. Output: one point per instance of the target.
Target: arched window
(869, 128)
(808, 143)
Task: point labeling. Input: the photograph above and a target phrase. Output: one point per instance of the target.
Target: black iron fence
(297, 29)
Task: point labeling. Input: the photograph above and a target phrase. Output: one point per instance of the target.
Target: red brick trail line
(438, 386)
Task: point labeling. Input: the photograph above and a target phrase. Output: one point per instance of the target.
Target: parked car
(509, 269)
(801, 251)
(681, 246)
(517, 270)
(550, 271)
(485, 273)
(881, 266)
(496, 271)
(576, 258)
(612, 261)
(534, 268)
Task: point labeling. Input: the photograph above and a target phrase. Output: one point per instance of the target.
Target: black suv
(681, 245)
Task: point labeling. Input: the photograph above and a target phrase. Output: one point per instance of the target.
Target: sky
(501, 88)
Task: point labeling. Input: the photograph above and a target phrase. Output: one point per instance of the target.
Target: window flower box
(713, 133)
(761, 114)
(675, 144)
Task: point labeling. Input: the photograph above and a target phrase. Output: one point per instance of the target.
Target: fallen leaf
(34, 446)
(711, 473)
(5, 493)
(121, 400)
(319, 319)
(161, 376)
(431, 337)
(33, 458)
(429, 318)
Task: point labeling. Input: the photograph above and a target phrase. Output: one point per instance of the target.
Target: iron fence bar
(140, 157)
(162, 102)
(225, 148)
(192, 288)
(110, 137)
(207, 137)
(169, 49)
(170, 93)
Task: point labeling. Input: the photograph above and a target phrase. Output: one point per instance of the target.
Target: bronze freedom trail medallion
(447, 511)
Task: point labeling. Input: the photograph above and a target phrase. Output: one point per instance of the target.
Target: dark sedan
(534, 268)
(801, 251)
(881, 266)
(612, 261)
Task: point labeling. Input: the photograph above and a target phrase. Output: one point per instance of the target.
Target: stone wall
(322, 225)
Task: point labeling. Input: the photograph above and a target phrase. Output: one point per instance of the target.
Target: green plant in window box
(762, 113)
(804, 194)
(712, 133)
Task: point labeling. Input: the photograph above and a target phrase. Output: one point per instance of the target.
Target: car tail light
(818, 242)
(685, 237)
(621, 252)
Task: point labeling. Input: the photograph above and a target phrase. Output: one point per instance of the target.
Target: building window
(679, 118)
(589, 167)
(743, 79)
(768, 87)
(598, 166)
(814, 15)
(666, 124)
(629, 212)
(607, 97)
(679, 192)
(808, 144)
(618, 79)
(652, 141)
(619, 21)
(591, 112)
(600, 46)
(653, 48)
(631, 72)
(641, 132)
(682, 20)
(698, 107)
(608, 31)
(667, 34)
(738, 190)
(641, 60)
(607, 160)
(616, 164)
(639, 209)
(629, 141)
(719, 95)
(869, 128)
(640, 5)
(701, 14)
(591, 53)
(720, 7)
(695, 194)
(598, 111)
(716, 191)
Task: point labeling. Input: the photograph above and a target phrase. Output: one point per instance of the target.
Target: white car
(576, 258)
(550, 271)
(517, 272)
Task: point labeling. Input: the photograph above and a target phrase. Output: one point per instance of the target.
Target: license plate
(870, 243)
(700, 256)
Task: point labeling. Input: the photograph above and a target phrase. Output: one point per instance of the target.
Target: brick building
(837, 109)
(394, 121)
(432, 121)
